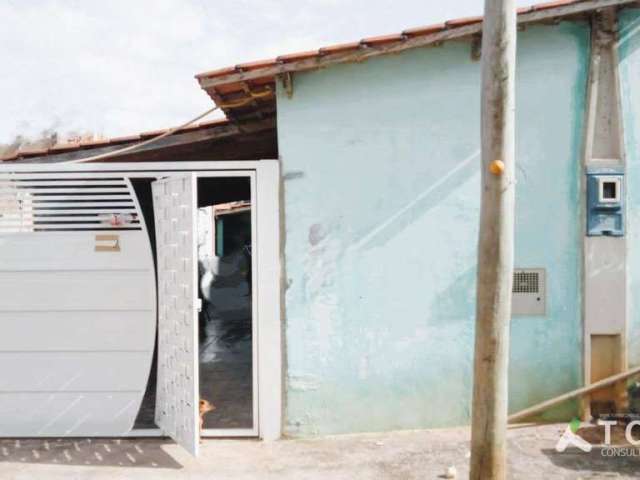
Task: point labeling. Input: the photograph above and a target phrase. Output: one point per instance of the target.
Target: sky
(119, 67)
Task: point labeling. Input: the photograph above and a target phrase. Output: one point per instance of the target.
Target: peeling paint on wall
(382, 233)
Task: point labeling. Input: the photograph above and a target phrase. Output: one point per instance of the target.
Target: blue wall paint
(381, 171)
(629, 53)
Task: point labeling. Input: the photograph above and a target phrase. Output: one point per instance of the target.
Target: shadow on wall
(428, 198)
(100, 452)
(629, 39)
(449, 306)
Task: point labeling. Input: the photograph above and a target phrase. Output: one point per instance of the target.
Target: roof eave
(266, 70)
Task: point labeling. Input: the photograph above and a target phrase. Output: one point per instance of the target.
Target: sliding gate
(78, 300)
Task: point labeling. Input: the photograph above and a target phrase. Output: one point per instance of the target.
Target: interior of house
(225, 321)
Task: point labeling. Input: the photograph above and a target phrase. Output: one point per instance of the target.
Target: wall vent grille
(46, 203)
(526, 282)
(529, 295)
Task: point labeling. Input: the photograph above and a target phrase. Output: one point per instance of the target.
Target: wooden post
(495, 246)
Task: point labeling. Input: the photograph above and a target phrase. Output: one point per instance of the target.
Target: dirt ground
(424, 454)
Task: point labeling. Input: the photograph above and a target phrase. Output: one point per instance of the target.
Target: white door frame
(269, 326)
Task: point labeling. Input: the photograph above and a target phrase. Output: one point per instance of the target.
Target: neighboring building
(379, 144)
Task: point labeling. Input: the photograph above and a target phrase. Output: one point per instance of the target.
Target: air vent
(529, 292)
(526, 282)
(70, 202)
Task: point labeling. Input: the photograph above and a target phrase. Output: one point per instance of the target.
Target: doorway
(226, 343)
(206, 369)
(225, 236)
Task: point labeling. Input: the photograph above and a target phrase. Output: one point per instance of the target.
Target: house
(378, 144)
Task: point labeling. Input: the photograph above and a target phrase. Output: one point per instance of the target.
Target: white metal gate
(77, 304)
(73, 261)
(178, 385)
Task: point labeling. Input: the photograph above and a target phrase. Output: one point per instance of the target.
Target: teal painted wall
(629, 53)
(381, 191)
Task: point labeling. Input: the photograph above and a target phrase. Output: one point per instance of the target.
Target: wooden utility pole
(495, 246)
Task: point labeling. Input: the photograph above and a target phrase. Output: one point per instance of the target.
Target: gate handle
(107, 243)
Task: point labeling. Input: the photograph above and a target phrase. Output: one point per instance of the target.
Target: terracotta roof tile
(30, 152)
(461, 22)
(95, 143)
(558, 3)
(150, 133)
(353, 46)
(425, 30)
(220, 72)
(64, 147)
(339, 48)
(269, 62)
(383, 39)
(128, 138)
(293, 57)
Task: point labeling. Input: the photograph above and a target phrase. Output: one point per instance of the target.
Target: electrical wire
(171, 131)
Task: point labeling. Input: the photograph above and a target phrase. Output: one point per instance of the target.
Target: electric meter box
(605, 202)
